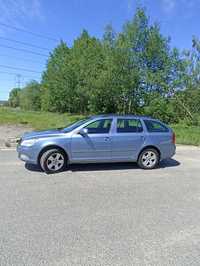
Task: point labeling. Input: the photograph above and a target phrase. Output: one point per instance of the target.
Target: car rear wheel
(53, 161)
(149, 159)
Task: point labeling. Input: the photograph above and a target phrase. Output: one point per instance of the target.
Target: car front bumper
(26, 154)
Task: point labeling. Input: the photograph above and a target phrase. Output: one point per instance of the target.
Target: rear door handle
(106, 138)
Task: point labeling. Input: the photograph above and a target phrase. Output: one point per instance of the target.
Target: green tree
(14, 97)
(88, 62)
(146, 59)
(58, 81)
(187, 96)
(30, 96)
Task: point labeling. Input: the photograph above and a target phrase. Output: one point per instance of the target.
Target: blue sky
(65, 20)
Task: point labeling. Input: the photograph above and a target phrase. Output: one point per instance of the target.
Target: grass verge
(188, 135)
(36, 120)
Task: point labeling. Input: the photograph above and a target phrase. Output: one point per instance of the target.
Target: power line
(14, 74)
(29, 32)
(22, 69)
(21, 59)
(6, 80)
(24, 43)
(23, 50)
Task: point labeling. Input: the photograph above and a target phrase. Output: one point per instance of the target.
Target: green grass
(189, 135)
(36, 120)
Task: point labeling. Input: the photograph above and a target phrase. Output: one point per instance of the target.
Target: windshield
(75, 125)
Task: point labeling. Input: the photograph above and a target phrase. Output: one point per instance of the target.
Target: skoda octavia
(97, 139)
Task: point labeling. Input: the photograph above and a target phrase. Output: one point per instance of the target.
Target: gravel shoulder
(11, 132)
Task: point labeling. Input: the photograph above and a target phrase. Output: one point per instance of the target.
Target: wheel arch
(50, 147)
(150, 147)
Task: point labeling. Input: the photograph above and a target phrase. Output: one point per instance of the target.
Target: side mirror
(83, 131)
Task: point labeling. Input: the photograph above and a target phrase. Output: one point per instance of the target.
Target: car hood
(43, 134)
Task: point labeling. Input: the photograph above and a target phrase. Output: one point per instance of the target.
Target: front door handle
(106, 138)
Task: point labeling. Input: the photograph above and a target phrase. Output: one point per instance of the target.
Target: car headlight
(28, 142)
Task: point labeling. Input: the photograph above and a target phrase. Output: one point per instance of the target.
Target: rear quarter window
(155, 126)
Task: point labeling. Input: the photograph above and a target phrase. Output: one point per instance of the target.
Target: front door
(95, 146)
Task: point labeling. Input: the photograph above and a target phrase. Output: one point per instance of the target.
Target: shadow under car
(106, 166)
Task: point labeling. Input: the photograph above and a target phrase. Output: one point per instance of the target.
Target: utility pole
(18, 80)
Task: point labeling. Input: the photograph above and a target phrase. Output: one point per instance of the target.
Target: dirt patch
(9, 132)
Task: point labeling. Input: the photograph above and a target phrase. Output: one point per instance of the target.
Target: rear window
(129, 126)
(155, 126)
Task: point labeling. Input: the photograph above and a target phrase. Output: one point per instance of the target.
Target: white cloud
(129, 4)
(168, 5)
(17, 12)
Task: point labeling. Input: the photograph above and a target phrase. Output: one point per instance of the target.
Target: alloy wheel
(149, 159)
(55, 161)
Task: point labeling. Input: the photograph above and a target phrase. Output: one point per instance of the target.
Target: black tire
(152, 159)
(45, 160)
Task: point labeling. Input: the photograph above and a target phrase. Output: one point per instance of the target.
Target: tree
(147, 56)
(58, 81)
(187, 97)
(14, 97)
(30, 96)
(88, 62)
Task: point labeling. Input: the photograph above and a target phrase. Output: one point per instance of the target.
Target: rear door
(127, 139)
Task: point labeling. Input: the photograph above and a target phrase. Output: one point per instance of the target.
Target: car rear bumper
(168, 152)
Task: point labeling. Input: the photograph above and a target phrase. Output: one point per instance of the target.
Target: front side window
(99, 127)
(155, 126)
(73, 126)
(129, 126)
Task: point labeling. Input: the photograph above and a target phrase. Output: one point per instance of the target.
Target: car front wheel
(149, 159)
(53, 161)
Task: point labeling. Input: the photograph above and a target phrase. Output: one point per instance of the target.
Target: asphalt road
(99, 215)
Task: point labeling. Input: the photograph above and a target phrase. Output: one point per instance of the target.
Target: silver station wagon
(100, 139)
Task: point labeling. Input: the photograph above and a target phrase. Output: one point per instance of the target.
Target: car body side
(120, 143)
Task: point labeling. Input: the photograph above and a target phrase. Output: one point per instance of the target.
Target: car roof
(120, 116)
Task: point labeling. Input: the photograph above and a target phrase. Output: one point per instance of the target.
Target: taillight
(174, 138)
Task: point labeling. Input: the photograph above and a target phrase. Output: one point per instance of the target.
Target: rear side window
(155, 126)
(129, 126)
